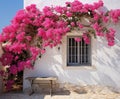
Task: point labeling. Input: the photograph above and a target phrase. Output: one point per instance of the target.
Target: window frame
(93, 48)
(78, 64)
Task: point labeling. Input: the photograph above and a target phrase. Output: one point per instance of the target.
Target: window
(78, 53)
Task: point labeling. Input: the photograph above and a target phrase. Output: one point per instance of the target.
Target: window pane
(78, 52)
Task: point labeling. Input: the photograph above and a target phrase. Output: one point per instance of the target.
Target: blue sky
(8, 9)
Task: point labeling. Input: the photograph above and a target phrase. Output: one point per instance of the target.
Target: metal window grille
(78, 53)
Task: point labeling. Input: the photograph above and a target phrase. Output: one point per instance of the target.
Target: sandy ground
(94, 92)
(72, 95)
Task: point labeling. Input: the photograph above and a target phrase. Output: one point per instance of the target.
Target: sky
(8, 9)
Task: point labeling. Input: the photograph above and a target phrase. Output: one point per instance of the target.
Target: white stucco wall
(105, 59)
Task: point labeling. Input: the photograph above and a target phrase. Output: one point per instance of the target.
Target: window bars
(78, 53)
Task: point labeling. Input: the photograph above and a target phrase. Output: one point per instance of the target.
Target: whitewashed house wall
(105, 69)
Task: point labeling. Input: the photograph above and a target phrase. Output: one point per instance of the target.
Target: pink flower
(98, 4)
(68, 14)
(49, 33)
(96, 17)
(6, 59)
(58, 31)
(41, 32)
(48, 23)
(47, 11)
(34, 52)
(59, 9)
(105, 19)
(114, 14)
(45, 44)
(42, 51)
(20, 15)
(76, 6)
(20, 66)
(9, 84)
(77, 39)
(112, 32)
(86, 38)
(58, 38)
(2, 38)
(68, 3)
(80, 25)
(88, 7)
(111, 43)
(13, 69)
(9, 29)
(20, 36)
(16, 58)
(110, 37)
(28, 38)
(32, 6)
(2, 73)
(66, 29)
(17, 47)
(96, 26)
(61, 24)
(28, 64)
(100, 34)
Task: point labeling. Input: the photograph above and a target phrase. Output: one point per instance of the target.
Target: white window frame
(93, 52)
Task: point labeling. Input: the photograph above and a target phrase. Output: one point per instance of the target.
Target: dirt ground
(74, 92)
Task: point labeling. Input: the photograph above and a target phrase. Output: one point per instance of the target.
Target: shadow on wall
(107, 65)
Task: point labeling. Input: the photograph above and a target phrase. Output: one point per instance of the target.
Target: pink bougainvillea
(32, 30)
(9, 84)
(77, 39)
(13, 69)
(6, 59)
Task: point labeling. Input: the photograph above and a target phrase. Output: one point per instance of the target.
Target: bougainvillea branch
(32, 30)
